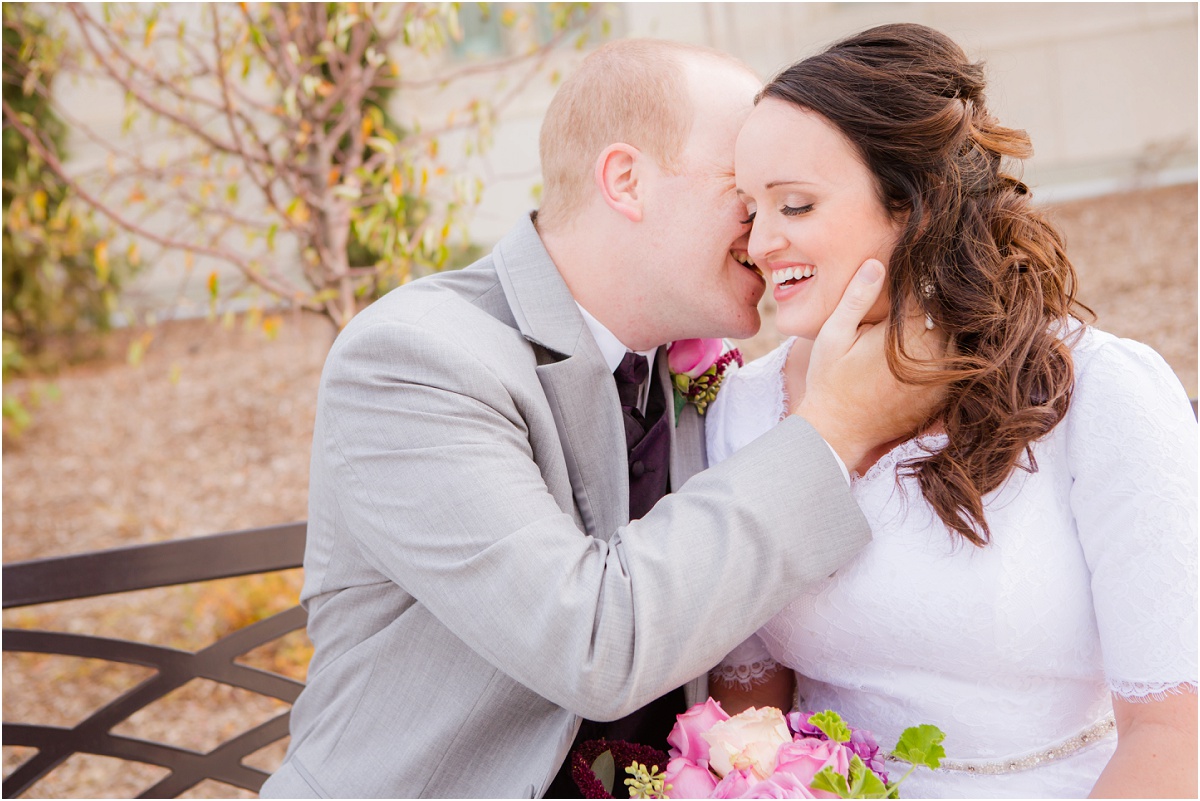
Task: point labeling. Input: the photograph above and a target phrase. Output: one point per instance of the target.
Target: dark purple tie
(647, 436)
(629, 375)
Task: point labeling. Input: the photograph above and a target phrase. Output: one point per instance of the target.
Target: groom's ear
(618, 171)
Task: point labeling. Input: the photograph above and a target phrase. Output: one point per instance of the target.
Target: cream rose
(749, 741)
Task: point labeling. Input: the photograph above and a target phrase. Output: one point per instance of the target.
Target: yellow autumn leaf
(137, 348)
(40, 201)
(100, 257)
(134, 254)
(271, 326)
(214, 284)
(136, 196)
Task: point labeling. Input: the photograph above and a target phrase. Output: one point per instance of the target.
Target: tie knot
(633, 369)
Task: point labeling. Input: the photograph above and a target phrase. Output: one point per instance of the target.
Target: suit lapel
(576, 380)
(687, 438)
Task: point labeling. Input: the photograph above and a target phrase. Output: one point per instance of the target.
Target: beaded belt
(1085, 739)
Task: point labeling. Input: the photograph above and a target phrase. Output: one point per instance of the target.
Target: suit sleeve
(436, 478)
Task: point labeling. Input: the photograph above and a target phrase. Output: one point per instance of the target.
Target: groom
(475, 587)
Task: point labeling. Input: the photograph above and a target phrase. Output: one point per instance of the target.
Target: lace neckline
(920, 445)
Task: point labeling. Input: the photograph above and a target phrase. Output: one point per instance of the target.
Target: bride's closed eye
(794, 211)
(749, 218)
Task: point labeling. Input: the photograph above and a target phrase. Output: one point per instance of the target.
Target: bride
(1030, 588)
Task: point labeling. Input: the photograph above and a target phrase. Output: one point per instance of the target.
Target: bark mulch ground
(212, 431)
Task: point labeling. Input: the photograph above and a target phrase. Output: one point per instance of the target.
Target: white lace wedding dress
(1087, 589)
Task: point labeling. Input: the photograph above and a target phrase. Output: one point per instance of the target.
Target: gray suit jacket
(473, 583)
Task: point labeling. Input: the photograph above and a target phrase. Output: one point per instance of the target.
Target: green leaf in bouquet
(830, 781)
(863, 782)
(605, 768)
(832, 724)
(921, 745)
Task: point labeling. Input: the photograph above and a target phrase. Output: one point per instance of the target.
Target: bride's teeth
(791, 273)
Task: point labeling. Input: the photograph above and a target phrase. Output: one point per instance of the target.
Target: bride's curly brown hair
(973, 254)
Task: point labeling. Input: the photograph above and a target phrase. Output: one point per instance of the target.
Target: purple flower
(798, 722)
(862, 742)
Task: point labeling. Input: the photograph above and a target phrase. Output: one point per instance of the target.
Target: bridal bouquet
(760, 753)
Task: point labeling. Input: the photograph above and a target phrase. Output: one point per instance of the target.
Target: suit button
(637, 469)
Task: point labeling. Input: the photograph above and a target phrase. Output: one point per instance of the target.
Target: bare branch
(231, 257)
(192, 126)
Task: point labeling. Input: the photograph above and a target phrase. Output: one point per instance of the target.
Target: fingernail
(870, 272)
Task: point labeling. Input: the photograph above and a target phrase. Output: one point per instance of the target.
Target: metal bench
(165, 564)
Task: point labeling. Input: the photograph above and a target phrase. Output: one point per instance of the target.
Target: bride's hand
(851, 397)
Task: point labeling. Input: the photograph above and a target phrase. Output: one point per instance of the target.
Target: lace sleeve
(748, 664)
(1132, 451)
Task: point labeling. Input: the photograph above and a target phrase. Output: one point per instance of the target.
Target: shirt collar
(611, 348)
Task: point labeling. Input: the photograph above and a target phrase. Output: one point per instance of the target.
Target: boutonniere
(697, 369)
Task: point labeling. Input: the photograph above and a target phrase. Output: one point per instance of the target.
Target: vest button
(637, 469)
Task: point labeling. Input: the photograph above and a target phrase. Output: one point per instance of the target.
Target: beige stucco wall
(1107, 91)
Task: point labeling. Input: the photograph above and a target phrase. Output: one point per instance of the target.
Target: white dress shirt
(613, 351)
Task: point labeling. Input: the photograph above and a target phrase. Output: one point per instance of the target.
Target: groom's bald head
(634, 91)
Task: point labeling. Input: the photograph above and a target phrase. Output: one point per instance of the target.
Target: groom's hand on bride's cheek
(851, 397)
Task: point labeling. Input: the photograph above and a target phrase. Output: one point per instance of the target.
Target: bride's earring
(927, 290)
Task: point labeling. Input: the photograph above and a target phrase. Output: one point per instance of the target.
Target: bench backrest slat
(160, 564)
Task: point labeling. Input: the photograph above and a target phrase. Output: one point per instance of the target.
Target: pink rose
(807, 757)
(685, 739)
(692, 357)
(781, 785)
(748, 741)
(735, 784)
(688, 780)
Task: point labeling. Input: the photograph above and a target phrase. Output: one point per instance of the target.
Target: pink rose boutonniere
(698, 367)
